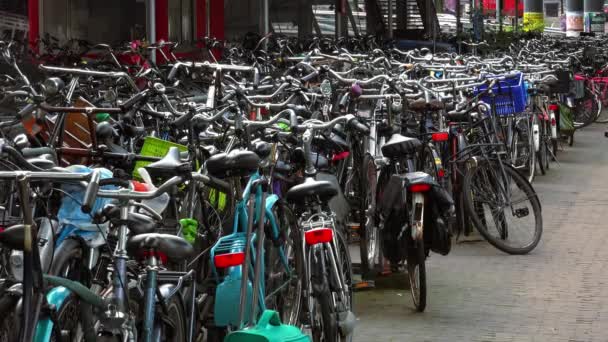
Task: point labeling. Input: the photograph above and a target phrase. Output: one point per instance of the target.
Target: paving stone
(558, 292)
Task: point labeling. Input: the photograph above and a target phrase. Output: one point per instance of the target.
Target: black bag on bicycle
(439, 213)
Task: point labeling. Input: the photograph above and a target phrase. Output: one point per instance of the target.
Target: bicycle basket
(509, 96)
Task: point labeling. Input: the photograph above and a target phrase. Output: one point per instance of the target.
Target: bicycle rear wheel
(503, 207)
(416, 272)
(369, 234)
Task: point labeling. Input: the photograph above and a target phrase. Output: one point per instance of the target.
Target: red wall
(508, 7)
(34, 22)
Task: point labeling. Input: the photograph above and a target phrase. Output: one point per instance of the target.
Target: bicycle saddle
(234, 163)
(175, 247)
(399, 146)
(12, 237)
(311, 189)
(170, 165)
(262, 149)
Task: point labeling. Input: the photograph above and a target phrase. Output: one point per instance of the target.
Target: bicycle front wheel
(503, 207)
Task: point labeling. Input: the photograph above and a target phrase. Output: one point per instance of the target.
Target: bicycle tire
(369, 234)
(416, 273)
(321, 310)
(172, 327)
(543, 153)
(287, 307)
(521, 141)
(586, 110)
(474, 176)
(347, 274)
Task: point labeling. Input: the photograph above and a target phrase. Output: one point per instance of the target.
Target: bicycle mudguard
(44, 328)
(228, 300)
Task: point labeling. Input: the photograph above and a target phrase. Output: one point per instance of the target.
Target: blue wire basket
(509, 96)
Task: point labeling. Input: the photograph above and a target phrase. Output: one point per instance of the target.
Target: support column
(594, 16)
(216, 26)
(201, 19)
(534, 20)
(574, 18)
(33, 16)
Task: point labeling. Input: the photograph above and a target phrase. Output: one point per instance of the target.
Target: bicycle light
(229, 259)
(53, 85)
(419, 188)
(440, 136)
(318, 235)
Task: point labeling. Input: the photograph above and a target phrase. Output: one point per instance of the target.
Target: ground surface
(559, 292)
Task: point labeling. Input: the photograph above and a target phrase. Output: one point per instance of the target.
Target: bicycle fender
(55, 297)
(270, 202)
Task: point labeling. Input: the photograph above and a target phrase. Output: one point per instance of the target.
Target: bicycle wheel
(522, 150)
(543, 154)
(586, 110)
(416, 272)
(369, 234)
(347, 276)
(503, 207)
(286, 288)
(172, 326)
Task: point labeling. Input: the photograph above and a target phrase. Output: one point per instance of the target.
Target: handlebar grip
(219, 184)
(27, 110)
(181, 120)
(115, 181)
(309, 76)
(344, 100)
(134, 99)
(358, 126)
(256, 78)
(90, 194)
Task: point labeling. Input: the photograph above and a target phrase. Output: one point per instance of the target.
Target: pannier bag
(439, 210)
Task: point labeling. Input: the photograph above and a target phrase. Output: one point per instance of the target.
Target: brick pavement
(559, 292)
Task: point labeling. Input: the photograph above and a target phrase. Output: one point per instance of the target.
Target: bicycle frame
(257, 211)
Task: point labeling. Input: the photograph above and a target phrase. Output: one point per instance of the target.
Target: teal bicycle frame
(245, 218)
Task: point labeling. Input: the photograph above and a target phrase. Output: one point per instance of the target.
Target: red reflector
(553, 107)
(139, 187)
(441, 136)
(229, 259)
(340, 156)
(553, 122)
(159, 255)
(318, 235)
(420, 187)
(441, 173)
